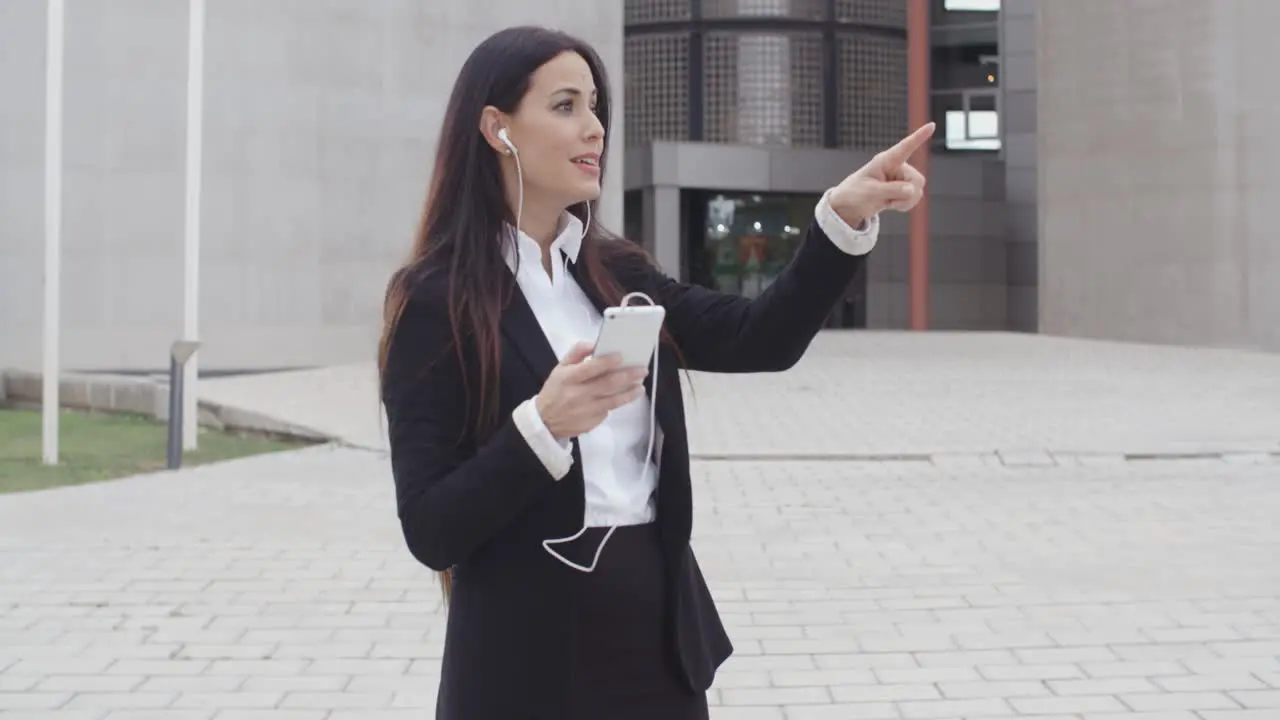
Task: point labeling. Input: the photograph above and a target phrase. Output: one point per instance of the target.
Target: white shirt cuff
(557, 456)
(850, 240)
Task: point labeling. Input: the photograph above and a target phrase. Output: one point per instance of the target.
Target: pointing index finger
(906, 147)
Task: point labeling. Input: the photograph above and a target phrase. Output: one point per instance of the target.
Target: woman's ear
(491, 121)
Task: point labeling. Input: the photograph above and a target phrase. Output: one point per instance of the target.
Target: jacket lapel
(588, 289)
(521, 327)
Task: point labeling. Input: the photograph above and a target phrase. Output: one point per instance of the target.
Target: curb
(146, 396)
(149, 396)
(996, 459)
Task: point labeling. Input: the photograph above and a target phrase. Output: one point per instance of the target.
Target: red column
(917, 115)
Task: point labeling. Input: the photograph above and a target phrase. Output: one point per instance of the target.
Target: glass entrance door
(740, 242)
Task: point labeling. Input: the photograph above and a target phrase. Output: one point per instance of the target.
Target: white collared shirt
(620, 481)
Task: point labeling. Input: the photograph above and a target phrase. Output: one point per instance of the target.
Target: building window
(763, 88)
(654, 11)
(972, 5)
(965, 75)
(657, 87)
(890, 13)
(797, 9)
(739, 242)
(872, 108)
(747, 239)
(970, 119)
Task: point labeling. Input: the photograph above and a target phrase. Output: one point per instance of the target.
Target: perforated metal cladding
(657, 87)
(763, 88)
(892, 13)
(873, 90)
(762, 64)
(794, 9)
(636, 12)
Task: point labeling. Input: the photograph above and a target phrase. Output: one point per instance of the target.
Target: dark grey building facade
(741, 112)
(1101, 168)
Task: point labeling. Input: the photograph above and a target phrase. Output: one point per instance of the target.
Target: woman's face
(557, 133)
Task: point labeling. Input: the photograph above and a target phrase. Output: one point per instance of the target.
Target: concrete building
(1156, 158)
(319, 132)
(1100, 169)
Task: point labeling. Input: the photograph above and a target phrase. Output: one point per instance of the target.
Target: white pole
(50, 401)
(191, 234)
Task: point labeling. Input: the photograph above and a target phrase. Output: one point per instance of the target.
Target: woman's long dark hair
(466, 210)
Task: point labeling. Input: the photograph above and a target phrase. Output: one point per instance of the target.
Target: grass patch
(98, 446)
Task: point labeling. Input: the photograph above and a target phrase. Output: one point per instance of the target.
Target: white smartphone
(632, 332)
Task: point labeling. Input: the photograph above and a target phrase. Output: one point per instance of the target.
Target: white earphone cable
(515, 154)
(644, 474)
(519, 188)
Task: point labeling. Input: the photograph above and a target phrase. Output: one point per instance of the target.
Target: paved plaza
(887, 394)
(914, 530)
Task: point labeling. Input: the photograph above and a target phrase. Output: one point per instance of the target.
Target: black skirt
(622, 668)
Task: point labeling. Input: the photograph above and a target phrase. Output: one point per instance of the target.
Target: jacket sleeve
(451, 496)
(725, 332)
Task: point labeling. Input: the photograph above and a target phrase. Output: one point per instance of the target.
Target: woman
(507, 437)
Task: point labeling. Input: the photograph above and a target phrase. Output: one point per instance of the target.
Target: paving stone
(278, 587)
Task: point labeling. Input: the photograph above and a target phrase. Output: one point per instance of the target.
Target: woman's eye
(567, 106)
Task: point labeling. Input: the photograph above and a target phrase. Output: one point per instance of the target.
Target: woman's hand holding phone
(581, 390)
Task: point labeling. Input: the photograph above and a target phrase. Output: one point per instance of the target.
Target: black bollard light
(179, 354)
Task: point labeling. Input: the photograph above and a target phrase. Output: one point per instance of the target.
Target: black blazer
(484, 508)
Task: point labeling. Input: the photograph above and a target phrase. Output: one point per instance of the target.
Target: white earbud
(502, 135)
